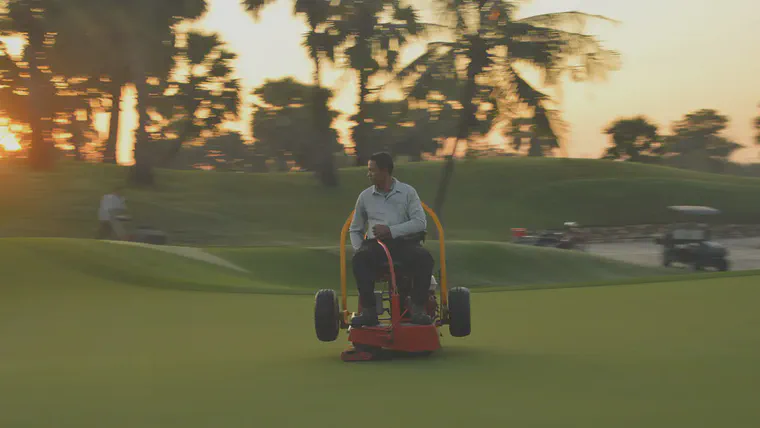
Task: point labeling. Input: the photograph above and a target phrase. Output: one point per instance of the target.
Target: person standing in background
(112, 207)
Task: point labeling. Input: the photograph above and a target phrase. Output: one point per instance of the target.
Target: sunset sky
(677, 56)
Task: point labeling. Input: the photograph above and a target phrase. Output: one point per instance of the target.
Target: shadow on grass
(461, 358)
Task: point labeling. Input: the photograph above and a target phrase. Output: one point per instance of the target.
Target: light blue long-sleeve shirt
(400, 209)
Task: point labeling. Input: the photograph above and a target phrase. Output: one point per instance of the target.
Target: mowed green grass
(82, 349)
(487, 197)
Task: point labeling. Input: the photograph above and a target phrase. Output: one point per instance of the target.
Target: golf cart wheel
(459, 312)
(326, 315)
(721, 265)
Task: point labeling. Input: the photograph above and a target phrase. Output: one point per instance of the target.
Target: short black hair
(383, 160)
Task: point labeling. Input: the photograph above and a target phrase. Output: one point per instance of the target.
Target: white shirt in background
(109, 204)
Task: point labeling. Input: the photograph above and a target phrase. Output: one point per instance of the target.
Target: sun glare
(14, 45)
(8, 140)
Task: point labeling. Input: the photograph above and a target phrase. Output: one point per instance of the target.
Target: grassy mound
(80, 351)
(487, 198)
(471, 264)
(292, 270)
(29, 262)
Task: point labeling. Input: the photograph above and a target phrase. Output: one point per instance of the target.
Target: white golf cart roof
(694, 210)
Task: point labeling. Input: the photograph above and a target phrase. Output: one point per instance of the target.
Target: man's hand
(381, 231)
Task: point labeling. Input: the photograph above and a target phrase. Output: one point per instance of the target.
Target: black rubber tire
(326, 315)
(722, 265)
(459, 312)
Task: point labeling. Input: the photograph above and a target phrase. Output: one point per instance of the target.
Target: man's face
(375, 174)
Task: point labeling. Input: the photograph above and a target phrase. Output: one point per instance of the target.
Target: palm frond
(572, 21)
(451, 14)
(541, 54)
(316, 12)
(254, 7)
(431, 55)
(409, 16)
(544, 120)
(200, 46)
(524, 91)
(556, 51)
(439, 76)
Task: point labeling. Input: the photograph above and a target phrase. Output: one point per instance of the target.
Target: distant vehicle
(688, 243)
(570, 237)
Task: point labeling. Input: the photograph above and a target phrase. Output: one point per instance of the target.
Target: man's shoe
(420, 316)
(367, 318)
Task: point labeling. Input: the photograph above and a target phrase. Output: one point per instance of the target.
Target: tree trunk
(41, 151)
(477, 56)
(363, 145)
(142, 171)
(465, 123)
(175, 145)
(77, 136)
(109, 154)
(323, 150)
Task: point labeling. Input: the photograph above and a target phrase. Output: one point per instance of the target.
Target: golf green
(80, 351)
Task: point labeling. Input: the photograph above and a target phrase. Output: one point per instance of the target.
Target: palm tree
(495, 44)
(321, 45)
(698, 134)
(525, 132)
(30, 19)
(13, 98)
(150, 48)
(112, 39)
(634, 139)
(376, 31)
(68, 108)
(282, 123)
(90, 41)
(199, 102)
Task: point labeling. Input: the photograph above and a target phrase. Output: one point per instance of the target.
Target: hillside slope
(487, 198)
(285, 270)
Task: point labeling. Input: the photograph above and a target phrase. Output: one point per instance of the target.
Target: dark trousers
(105, 230)
(369, 259)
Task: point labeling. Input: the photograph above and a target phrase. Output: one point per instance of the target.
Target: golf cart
(689, 243)
(568, 238)
(395, 333)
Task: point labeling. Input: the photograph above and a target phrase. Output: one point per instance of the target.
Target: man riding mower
(391, 251)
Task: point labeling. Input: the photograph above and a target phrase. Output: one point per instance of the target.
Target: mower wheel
(459, 311)
(326, 315)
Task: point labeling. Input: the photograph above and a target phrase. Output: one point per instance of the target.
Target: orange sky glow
(676, 57)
